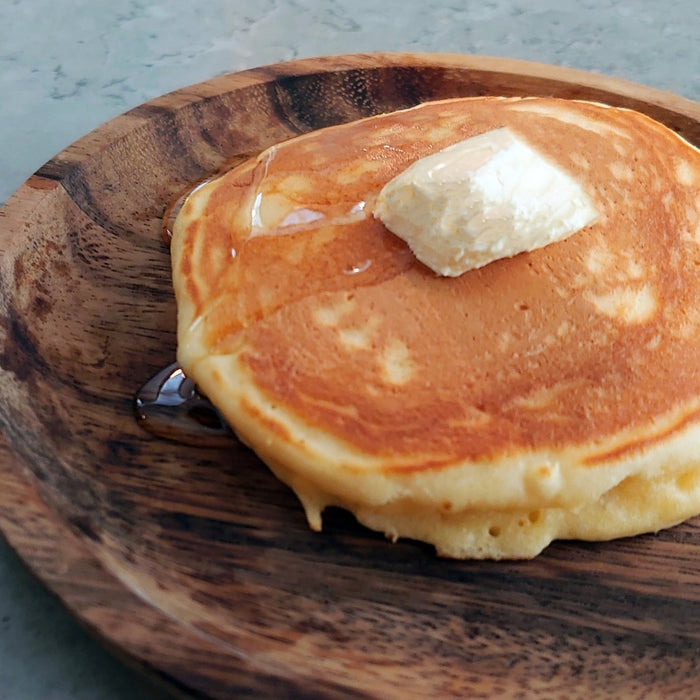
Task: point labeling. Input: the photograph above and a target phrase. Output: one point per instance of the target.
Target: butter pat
(491, 196)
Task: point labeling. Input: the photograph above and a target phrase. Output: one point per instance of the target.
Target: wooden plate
(196, 563)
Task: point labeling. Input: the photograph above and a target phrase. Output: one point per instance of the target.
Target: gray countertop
(67, 67)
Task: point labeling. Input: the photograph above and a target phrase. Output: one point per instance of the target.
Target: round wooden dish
(198, 564)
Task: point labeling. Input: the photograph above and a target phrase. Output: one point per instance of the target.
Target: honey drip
(168, 405)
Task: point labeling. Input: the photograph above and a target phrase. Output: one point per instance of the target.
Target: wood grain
(196, 564)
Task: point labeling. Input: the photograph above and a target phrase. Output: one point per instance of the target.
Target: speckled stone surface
(67, 67)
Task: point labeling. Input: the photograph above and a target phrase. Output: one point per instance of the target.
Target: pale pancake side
(510, 507)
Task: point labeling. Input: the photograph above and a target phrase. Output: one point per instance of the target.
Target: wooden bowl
(196, 563)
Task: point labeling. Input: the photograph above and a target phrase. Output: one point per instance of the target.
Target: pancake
(551, 395)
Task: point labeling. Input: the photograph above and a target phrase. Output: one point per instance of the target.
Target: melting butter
(488, 197)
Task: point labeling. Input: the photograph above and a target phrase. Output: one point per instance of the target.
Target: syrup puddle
(169, 406)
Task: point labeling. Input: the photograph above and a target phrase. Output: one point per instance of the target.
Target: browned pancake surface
(562, 346)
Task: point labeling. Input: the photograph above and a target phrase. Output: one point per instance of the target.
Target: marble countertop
(67, 67)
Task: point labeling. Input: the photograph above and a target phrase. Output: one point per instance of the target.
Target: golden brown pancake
(554, 394)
